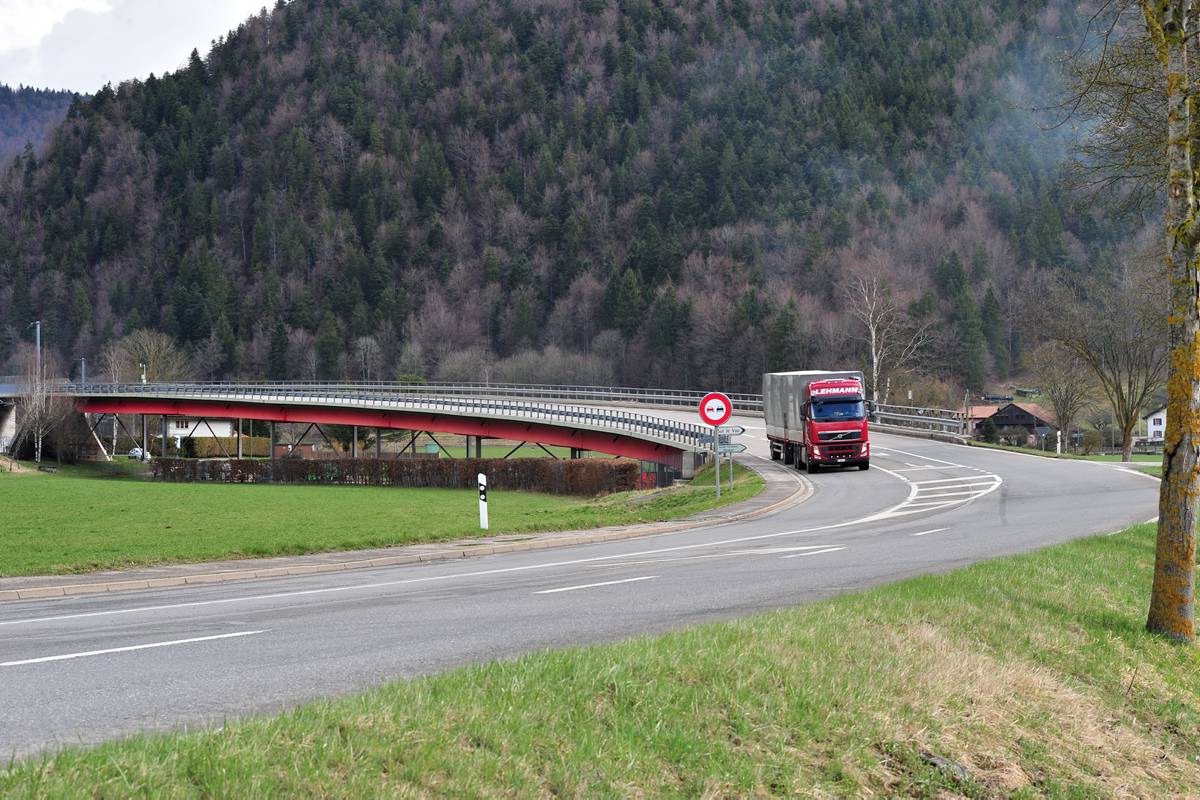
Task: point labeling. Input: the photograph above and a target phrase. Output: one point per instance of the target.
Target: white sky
(84, 44)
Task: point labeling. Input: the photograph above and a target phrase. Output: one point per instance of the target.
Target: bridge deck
(603, 430)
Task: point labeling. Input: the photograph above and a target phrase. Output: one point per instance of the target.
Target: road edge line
(804, 490)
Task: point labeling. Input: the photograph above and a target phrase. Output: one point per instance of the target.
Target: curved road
(85, 669)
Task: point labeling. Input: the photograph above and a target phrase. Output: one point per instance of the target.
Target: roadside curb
(455, 550)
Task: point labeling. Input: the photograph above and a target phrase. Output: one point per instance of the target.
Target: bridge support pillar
(576, 452)
(354, 442)
(163, 433)
(271, 445)
(690, 463)
(378, 445)
(479, 447)
(8, 426)
(239, 438)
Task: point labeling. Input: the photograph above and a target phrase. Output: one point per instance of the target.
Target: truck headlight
(864, 451)
(816, 451)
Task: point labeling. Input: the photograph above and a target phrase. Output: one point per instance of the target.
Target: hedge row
(584, 476)
(251, 446)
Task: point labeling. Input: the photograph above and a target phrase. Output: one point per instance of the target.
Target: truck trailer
(817, 418)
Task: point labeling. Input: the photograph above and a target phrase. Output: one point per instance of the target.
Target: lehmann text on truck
(817, 418)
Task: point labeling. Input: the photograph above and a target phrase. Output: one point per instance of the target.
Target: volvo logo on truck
(817, 418)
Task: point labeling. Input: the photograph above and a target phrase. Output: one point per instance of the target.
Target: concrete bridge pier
(8, 424)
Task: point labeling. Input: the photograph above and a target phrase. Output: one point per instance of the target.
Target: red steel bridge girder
(515, 430)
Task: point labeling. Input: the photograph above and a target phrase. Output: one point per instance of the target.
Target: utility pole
(83, 370)
(39, 388)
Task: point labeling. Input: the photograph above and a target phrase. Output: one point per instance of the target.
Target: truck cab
(835, 425)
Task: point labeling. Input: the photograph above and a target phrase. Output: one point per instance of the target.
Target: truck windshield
(834, 408)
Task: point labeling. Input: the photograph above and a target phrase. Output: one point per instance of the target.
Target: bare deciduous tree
(368, 358)
(157, 354)
(1065, 380)
(39, 409)
(893, 339)
(1116, 328)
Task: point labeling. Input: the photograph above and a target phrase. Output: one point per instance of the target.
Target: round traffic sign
(715, 408)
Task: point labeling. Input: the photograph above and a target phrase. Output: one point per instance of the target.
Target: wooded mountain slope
(668, 192)
(26, 115)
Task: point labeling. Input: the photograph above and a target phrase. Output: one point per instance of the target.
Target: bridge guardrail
(674, 398)
(393, 396)
(536, 395)
(943, 420)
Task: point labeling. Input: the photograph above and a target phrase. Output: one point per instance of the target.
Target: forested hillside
(669, 192)
(26, 115)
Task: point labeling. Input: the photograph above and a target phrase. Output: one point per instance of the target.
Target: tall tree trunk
(1172, 600)
(874, 367)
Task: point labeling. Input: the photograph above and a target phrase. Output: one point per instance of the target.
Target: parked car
(139, 454)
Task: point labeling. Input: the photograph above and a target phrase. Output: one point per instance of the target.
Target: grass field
(1116, 459)
(72, 522)
(1033, 674)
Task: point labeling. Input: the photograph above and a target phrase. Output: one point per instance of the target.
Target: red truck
(817, 419)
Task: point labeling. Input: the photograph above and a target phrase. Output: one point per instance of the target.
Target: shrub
(584, 476)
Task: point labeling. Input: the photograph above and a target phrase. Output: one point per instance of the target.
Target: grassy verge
(1032, 673)
(1116, 459)
(66, 523)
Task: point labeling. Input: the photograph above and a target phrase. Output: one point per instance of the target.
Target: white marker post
(483, 515)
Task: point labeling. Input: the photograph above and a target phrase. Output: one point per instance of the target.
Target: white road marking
(594, 585)
(894, 511)
(775, 550)
(961, 479)
(935, 530)
(928, 458)
(814, 552)
(89, 653)
(925, 504)
(956, 493)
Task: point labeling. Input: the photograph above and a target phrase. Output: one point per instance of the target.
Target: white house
(196, 428)
(1156, 424)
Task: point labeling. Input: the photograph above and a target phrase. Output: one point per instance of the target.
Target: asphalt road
(86, 669)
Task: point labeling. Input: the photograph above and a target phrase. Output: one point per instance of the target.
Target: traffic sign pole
(717, 453)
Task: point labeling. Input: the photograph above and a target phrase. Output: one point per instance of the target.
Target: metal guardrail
(671, 398)
(462, 395)
(929, 419)
(400, 397)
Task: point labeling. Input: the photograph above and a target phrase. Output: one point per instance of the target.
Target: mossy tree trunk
(1173, 26)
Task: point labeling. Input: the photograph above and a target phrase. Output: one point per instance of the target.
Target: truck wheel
(812, 467)
(865, 465)
(775, 454)
(789, 454)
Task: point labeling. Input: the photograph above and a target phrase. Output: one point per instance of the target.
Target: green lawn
(66, 523)
(1033, 673)
(1051, 454)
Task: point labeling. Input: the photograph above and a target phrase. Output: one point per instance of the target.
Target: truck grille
(838, 436)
